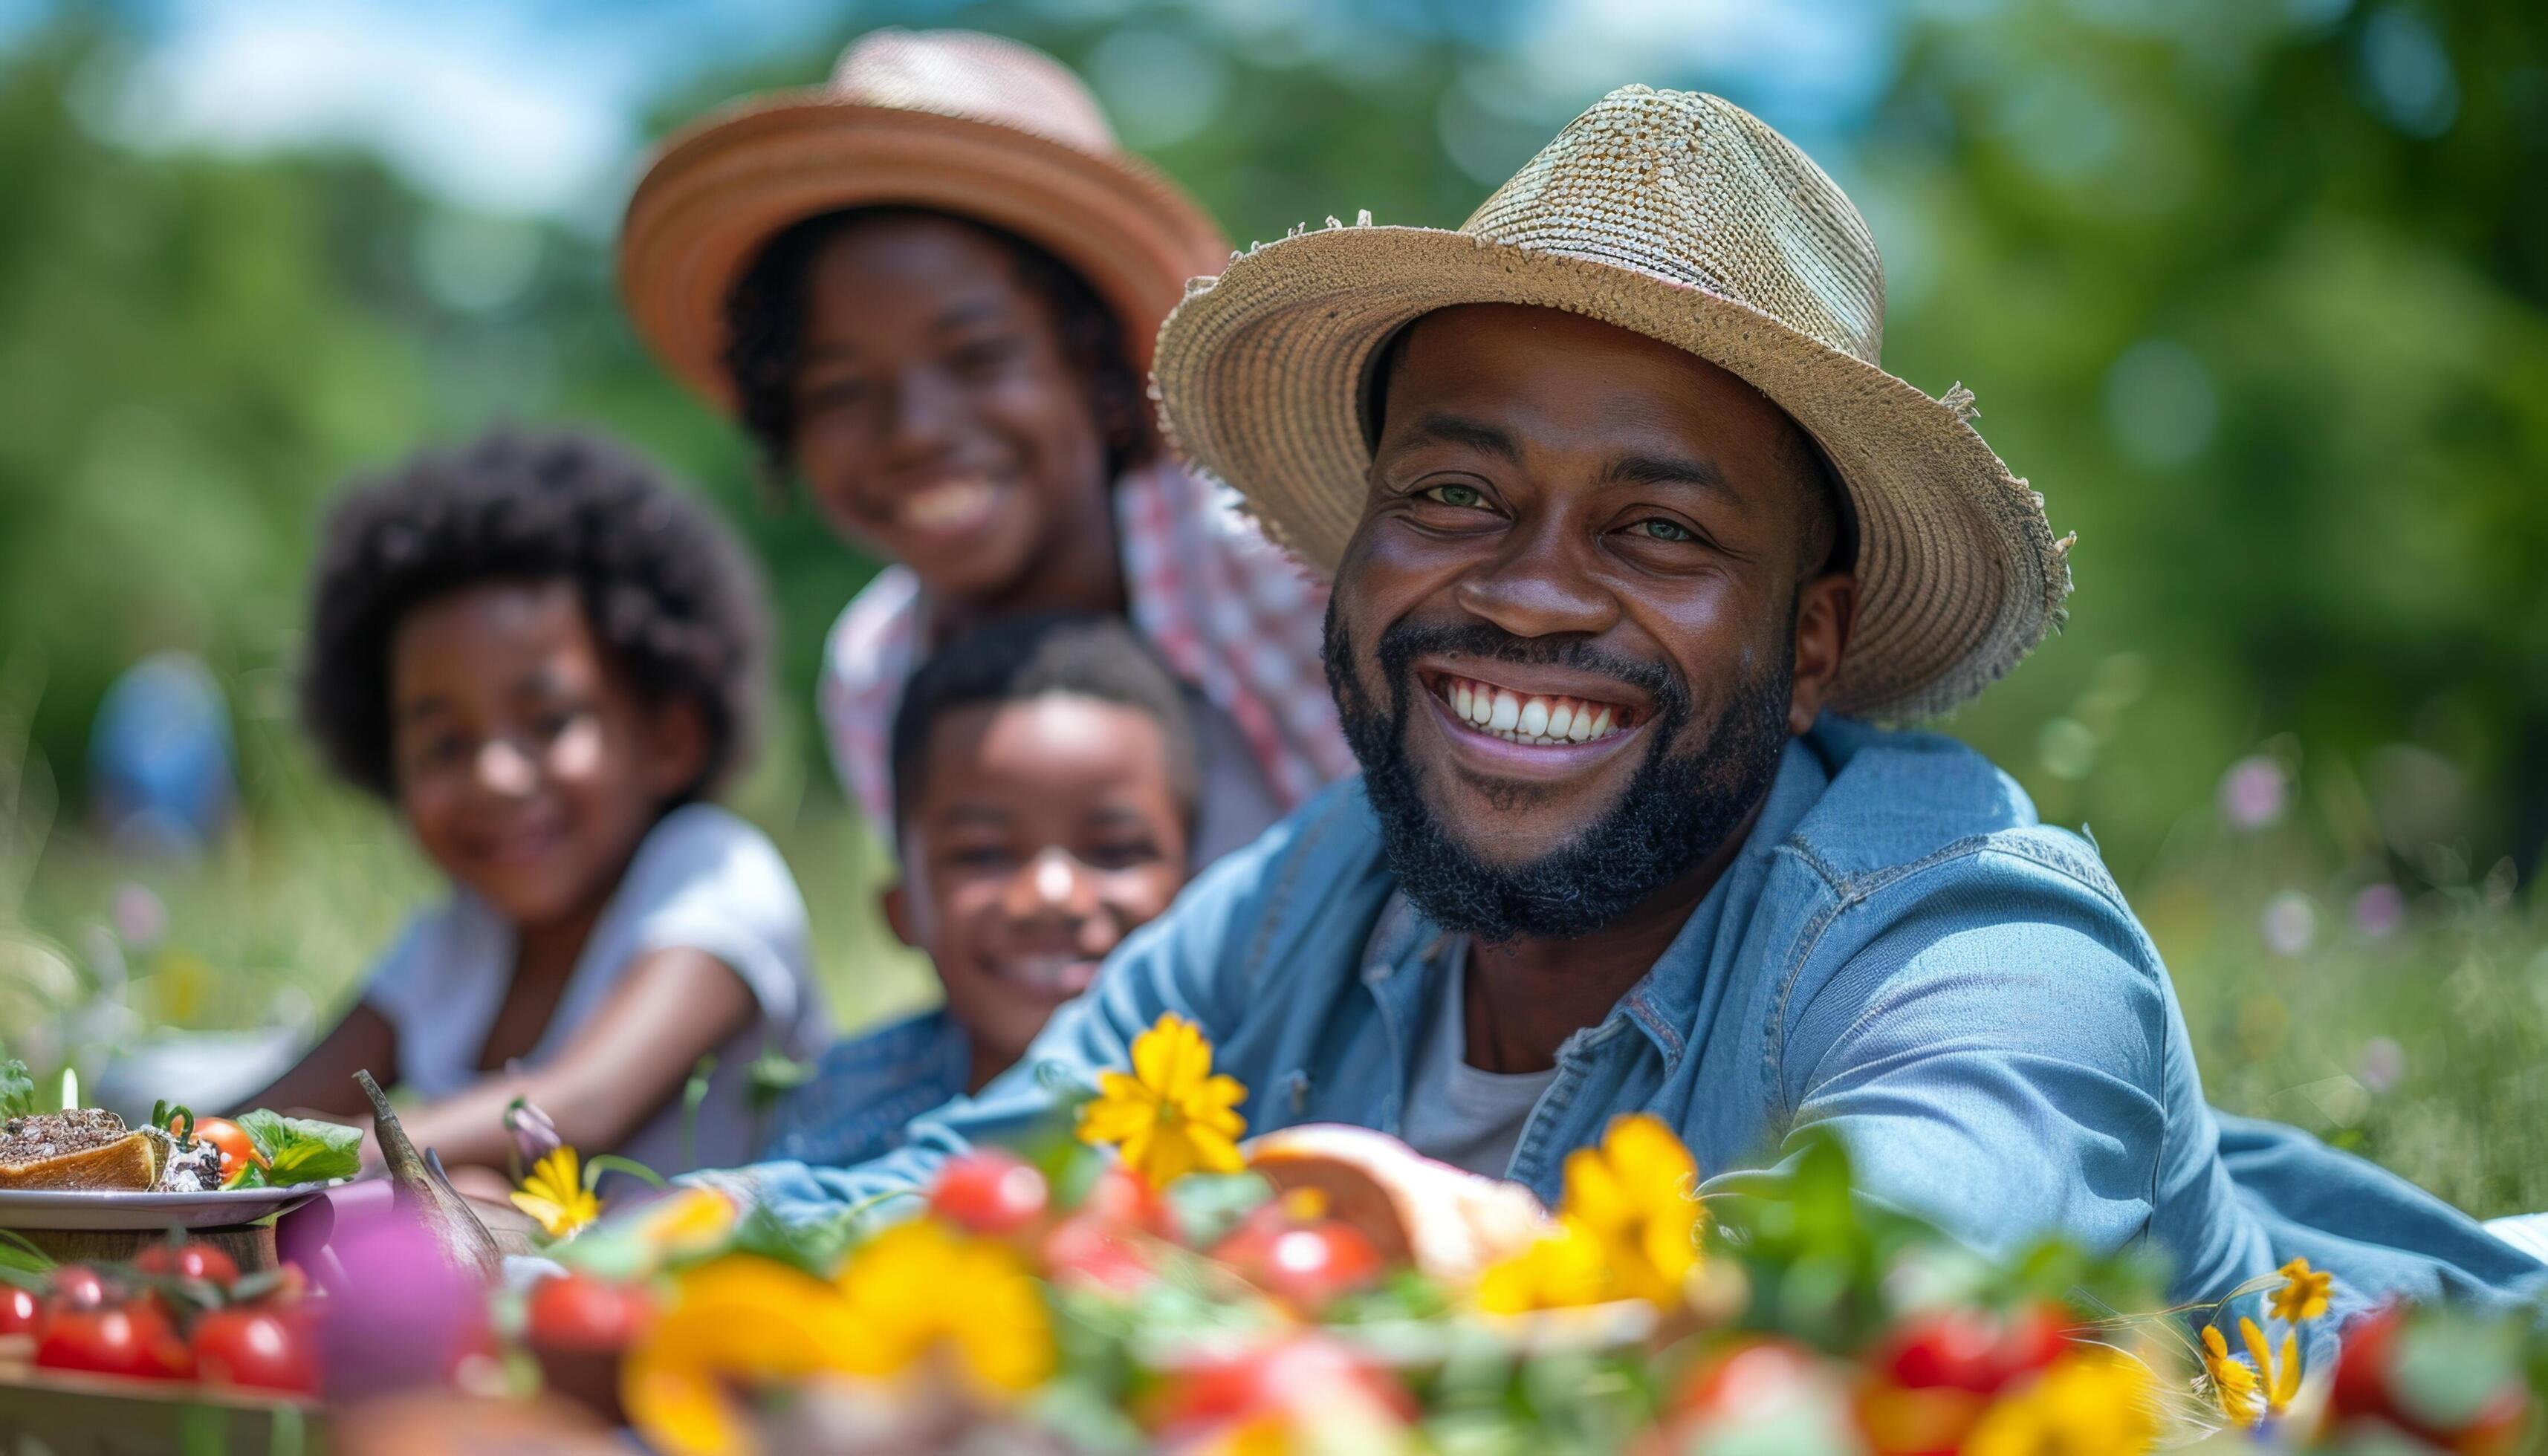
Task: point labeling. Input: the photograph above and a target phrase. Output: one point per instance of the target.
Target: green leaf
(302, 1149)
(603, 1162)
(16, 1253)
(16, 1090)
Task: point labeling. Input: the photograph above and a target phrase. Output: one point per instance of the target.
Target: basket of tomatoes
(174, 1346)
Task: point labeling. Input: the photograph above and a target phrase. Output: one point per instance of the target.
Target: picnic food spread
(90, 1149)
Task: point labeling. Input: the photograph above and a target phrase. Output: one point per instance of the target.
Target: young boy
(546, 660)
(1045, 791)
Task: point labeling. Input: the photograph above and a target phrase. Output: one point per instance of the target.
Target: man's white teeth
(945, 505)
(1534, 719)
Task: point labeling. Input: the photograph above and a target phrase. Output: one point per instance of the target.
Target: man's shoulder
(1904, 805)
(1275, 902)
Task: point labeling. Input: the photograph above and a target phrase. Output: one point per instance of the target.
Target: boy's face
(938, 420)
(526, 769)
(1044, 832)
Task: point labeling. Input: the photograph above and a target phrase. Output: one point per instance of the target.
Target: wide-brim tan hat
(1682, 217)
(953, 121)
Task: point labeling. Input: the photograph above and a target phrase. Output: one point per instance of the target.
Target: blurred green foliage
(2255, 294)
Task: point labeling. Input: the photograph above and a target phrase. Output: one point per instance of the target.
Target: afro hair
(674, 600)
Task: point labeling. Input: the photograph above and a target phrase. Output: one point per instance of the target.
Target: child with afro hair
(546, 660)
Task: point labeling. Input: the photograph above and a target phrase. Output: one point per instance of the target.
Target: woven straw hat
(953, 120)
(1685, 218)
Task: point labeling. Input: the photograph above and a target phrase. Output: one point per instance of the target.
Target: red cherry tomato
(21, 1313)
(1093, 1252)
(77, 1287)
(1294, 1378)
(135, 1340)
(2365, 1387)
(1121, 1199)
(1969, 1350)
(262, 1350)
(237, 1150)
(1305, 1263)
(577, 1312)
(988, 1192)
(189, 1260)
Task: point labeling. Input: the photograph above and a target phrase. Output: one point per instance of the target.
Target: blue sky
(537, 107)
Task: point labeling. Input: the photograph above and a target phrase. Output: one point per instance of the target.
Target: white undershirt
(1456, 1113)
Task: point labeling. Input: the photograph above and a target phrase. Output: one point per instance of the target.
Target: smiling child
(1045, 779)
(546, 660)
(928, 292)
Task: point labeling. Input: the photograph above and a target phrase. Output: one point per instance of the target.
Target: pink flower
(2289, 924)
(2380, 910)
(2380, 1062)
(2254, 792)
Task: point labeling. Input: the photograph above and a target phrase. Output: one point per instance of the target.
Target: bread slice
(84, 1149)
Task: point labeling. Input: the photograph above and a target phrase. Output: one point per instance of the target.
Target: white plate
(57, 1210)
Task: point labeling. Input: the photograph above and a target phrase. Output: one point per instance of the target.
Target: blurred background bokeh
(2255, 293)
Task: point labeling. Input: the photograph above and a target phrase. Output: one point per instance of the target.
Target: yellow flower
(1561, 1270)
(733, 1325)
(2303, 1297)
(688, 1222)
(2279, 1382)
(2234, 1385)
(920, 1290)
(2089, 1402)
(554, 1195)
(1170, 1116)
(1635, 1195)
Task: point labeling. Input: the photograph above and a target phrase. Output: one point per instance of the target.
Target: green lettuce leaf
(301, 1149)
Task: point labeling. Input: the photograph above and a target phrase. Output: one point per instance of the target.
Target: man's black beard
(1677, 810)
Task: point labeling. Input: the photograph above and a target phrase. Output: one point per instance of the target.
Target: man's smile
(1512, 720)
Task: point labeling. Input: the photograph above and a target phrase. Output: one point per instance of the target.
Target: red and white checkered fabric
(1231, 614)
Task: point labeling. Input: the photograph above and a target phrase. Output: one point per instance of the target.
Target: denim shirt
(864, 1092)
(1900, 954)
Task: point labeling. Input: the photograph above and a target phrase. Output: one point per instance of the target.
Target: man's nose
(504, 768)
(1541, 583)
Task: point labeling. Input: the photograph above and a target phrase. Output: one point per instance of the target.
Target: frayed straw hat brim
(718, 190)
(1260, 373)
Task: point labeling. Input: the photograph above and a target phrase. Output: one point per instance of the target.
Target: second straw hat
(953, 121)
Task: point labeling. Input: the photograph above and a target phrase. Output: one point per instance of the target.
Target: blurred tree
(2256, 294)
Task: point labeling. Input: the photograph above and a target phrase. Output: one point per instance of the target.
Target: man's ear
(895, 900)
(676, 747)
(1826, 612)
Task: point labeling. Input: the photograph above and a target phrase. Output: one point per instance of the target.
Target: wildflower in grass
(1170, 1116)
(2234, 1384)
(1634, 1195)
(2303, 1297)
(2089, 1402)
(1562, 1270)
(554, 1195)
(734, 1325)
(922, 1290)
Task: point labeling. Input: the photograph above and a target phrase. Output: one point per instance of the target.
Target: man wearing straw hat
(1632, 541)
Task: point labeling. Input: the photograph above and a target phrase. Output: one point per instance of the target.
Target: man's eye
(1467, 498)
(979, 857)
(1665, 530)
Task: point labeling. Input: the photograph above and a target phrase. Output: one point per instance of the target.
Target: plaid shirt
(1229, 611)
